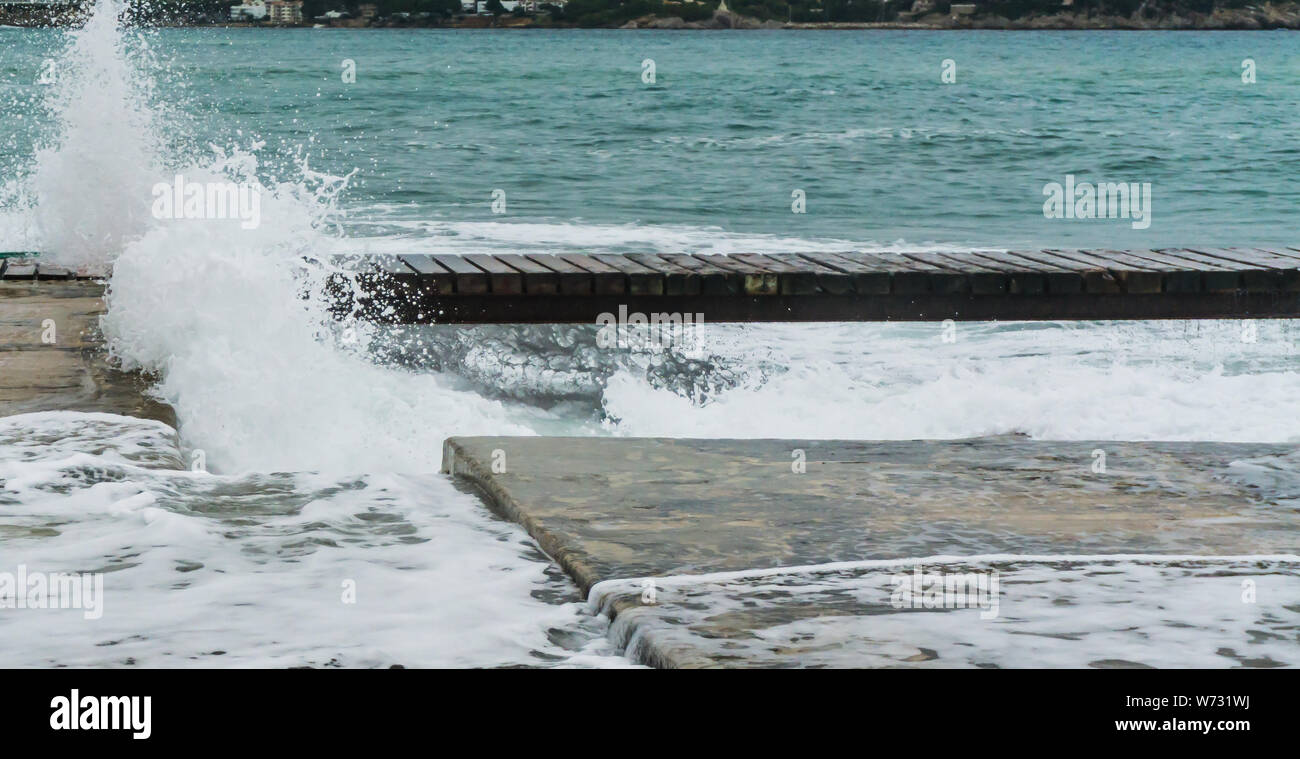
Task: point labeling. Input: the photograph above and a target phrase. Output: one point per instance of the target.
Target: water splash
(92, 186)
(234, 325)
(261, 380)
(232, 322)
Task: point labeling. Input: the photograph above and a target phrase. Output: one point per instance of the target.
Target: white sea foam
(252, 370)
(254, 373)
(1172, 380)
(254, 570)
(1142, 613)
(1149, 381)
(601, 590)
(242, 566)
(402, 234)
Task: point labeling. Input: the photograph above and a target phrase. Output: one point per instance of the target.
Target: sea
(319, 531)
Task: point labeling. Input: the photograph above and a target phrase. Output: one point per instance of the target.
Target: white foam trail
(1082, 381)
(550, 235)
(1154, 613)
(604, 588)
(294, 569)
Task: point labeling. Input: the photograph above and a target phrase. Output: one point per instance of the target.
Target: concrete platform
(71, 373)
(1162, 520)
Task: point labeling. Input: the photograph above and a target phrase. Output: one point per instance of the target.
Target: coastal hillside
(707, 14)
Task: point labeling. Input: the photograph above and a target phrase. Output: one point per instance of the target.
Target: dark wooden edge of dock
(1053, 284)
(1166, 283)
(15, 269)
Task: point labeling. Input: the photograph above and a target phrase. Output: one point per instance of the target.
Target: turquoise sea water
(563, 122)
(322, 458)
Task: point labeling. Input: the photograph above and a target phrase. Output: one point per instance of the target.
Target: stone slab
(1107, 613)
(71, 373)
(614, 511)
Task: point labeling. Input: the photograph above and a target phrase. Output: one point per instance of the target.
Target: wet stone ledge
(782, 552)
(52, 356)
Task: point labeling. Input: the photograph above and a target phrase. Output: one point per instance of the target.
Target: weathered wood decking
(1170, 283)
(13, 269)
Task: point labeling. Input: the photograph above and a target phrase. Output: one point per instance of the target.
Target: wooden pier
(1168, 283)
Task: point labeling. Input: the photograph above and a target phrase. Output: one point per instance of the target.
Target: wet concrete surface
(631, 517)
(52, 356)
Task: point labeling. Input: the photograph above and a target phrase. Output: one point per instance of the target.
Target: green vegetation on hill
(607, 13)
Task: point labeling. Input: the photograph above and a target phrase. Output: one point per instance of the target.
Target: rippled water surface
(323, 443)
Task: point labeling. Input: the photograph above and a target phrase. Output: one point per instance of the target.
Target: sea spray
(232, 322)
(210, 570)
(92, 184)
(257, 372)
(217, 569)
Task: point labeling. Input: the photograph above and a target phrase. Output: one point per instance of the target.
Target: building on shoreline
(286, 11)
(249, 10)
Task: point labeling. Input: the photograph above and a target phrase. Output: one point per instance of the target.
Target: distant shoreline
(1268, 17)
(866, 27)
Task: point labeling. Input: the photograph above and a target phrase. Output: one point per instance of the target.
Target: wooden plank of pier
(576, 280)
(1255, 277)
(1055, 284)
(714, 280)
(678, 279)
(17, 267)
(606, 280)
(641, 279)
(468, 278)
(1168, 283)
(503, 279)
